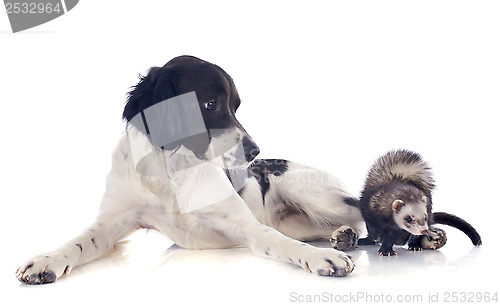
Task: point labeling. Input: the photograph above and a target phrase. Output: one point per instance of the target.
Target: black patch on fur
(145, 122)
(308, 268)
(351, 201)
(93, 242)
(366, 241)
(261, 169)
(80, 246)
(47, 277)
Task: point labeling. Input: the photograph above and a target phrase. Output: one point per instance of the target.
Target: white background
(329, 84)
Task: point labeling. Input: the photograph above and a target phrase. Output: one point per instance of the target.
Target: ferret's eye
(425, 218)
(210, 105)
(408, 219)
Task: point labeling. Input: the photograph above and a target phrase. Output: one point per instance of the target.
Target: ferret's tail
(459, 223)
(401, 165)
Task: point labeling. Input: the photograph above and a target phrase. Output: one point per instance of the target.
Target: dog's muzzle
(251, 149)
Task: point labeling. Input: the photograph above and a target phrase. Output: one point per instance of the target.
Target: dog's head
(165, 104)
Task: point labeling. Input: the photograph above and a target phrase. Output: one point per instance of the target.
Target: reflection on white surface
(146, 269)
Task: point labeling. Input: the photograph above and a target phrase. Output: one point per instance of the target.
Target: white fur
(193, 210)
(418, 213)
(317, 193)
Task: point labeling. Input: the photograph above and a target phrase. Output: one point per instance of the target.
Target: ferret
(396, 203)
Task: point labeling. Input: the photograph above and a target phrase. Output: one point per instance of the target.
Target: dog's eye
(210, 105)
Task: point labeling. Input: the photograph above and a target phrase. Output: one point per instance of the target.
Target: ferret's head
(411, 214)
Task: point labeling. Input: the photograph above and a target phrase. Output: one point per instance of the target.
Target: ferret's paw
(415, 248)
(434, 239)
(386, 252)
(344, 239)
(43, 269)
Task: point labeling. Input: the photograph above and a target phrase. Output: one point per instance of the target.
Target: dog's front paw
(43, 269)
(344, 239)
(434, 238)
(328, 262)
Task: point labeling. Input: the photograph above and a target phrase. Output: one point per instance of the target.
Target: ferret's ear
(397, 204)
(424, 199)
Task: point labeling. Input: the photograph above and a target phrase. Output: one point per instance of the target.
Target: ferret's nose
(423, 232)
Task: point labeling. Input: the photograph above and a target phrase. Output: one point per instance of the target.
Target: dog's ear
(168, 119)
(152, 88)
(235, 98)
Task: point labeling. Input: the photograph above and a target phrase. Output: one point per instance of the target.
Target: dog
(187, 168)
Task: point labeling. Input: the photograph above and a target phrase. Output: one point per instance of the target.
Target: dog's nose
(251, 154)
(251, 149)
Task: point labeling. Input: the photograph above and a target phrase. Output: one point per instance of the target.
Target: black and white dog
(185, 167)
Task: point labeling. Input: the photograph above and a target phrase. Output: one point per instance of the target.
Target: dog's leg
(344, 238)
(306, 204)
(90, 245)
(245, 230)
(326, 262)
(119, 216)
